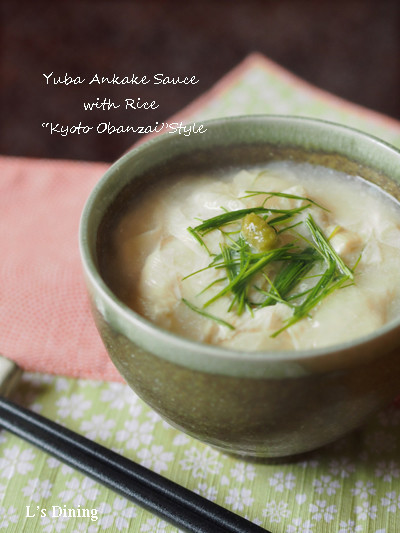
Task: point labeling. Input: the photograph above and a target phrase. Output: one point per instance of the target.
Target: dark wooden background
(348, 47)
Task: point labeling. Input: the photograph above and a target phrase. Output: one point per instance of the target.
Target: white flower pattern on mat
(275, 511)
(180, 440)
(153, 525)
(8, 516)
(387, 470)
(242, 472)
(365, 511)
(155, 458)
(206, 491)
(238, 499)
(341, 467)
(78, 492)
(391, 501)
(320, 510)
(349, 527)
(301, 498)
(256, 520)
(36, 407)
(115, 516)
(61, 384)
(97, 427)
(134, 434)
(363, 490)
(120, 396)
(242, 481)
(300, 526)
(83, 527)
(201, 463)
(155, 418)
(224, 480)
(35, 380)
(312, 463)
(16, 461)
(72, 406)
(53, 523)
(52, 462)
(281, 481)
(37, 489)
(326, 484)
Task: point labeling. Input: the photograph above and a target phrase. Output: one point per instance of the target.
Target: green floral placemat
(350, 486)
(260, 86)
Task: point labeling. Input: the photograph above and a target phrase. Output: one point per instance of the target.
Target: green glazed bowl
(256, 404)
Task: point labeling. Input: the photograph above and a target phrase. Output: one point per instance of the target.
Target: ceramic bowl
(256, 404)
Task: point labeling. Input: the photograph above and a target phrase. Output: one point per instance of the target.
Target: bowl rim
(167, 337)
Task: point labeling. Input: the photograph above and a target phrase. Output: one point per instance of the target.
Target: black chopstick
(168, 500)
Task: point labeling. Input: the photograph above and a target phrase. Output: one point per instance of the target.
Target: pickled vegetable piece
(258, 232)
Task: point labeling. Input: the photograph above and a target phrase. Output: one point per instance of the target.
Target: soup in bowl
(245, 280)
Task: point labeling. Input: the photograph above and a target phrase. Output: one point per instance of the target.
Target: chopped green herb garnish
(231, 216)
(325, 247)
(245, 274)
(257, 253)
(291, 274)
(207, 315)
(327, 283)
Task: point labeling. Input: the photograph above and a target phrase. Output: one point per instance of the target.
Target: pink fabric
(45, 321)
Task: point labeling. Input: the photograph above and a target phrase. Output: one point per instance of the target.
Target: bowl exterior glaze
(253, 404)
